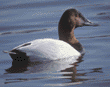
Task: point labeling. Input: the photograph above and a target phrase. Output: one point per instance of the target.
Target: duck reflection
(74, 73)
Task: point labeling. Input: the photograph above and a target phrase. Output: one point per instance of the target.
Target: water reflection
(99, 70)
(65, 70)
(74, 73)
(63, 66)
(37, 67)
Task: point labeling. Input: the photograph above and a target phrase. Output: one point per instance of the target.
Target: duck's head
(70, 20)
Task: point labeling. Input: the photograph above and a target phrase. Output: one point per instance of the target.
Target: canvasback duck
(52, 49)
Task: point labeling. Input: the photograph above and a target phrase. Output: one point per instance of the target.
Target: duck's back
(48, 49)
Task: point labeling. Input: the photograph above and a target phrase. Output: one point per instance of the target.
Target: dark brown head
(70, 20)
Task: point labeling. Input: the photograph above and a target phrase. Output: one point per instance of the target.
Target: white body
(48, 49)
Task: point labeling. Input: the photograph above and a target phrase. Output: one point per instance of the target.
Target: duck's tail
(9, 52)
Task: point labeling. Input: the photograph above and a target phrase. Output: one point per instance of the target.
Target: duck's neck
(72, 39)
(68, 37)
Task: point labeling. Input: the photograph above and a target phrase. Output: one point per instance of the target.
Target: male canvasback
(52, 49)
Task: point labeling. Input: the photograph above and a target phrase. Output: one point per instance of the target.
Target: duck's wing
(22, 45)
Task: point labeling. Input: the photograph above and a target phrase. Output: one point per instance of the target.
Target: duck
(48, 49)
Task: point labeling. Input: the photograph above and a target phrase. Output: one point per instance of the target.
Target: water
(25, 20)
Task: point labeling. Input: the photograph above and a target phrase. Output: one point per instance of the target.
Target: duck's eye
(79, 14)
(76, 15)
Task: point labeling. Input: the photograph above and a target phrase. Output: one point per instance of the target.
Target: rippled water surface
(25, 20)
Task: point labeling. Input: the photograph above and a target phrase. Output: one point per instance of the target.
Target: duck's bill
(85, 21)
(89, 23)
